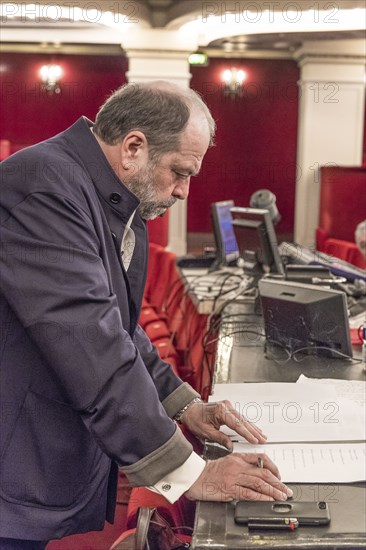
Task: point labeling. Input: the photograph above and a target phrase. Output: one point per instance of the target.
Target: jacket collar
(109, 187)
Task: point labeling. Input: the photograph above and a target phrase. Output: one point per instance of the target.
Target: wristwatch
(177, 417)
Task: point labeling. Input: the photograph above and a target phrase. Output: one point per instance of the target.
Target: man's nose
(181, 190)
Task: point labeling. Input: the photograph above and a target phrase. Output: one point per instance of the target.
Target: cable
(317, 348)
(292, 354)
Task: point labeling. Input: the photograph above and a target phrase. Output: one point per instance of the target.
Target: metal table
(241, 357)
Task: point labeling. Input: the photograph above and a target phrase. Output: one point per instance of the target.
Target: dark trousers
(15, 544)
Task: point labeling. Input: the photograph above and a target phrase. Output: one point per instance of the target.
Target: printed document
(316, 429)
(355, 390)
(315, 462)
(296, 412)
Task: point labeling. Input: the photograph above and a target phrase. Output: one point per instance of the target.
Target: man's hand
(237, 476)
(204, 421)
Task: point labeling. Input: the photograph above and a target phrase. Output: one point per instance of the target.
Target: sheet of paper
(355, 390)
(292, 412)
(315, 463)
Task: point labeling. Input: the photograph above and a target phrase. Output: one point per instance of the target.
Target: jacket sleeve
(54, 279)
(173, 393)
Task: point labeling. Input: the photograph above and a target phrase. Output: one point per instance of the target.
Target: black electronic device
(314, 275)
(256, 237)
(266, 514)
(297, 254)
(196, 262)
(305, 317)
(227, 250)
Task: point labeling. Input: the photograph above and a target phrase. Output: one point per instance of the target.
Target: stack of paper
(316, 428)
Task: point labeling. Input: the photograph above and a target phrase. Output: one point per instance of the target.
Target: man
(360, 237)
(83, 389)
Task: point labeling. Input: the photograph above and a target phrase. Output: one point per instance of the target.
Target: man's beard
(144, 187)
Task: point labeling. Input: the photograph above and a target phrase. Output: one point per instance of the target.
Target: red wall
(256, 138)
(256, 135)
(28, 114)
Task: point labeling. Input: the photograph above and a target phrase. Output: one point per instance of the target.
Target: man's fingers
(237, 422)
(240, 419)
(250, 432)
(269, 473)
(219, 437)
(223, 413)
(250, 487)
(252, 458)
(253, 495)
(273, 488)
(268, 477)
(269, 465)
(243, 427)
(244, 493)
(236, 476)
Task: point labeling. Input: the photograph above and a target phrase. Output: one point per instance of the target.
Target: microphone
(264, 198)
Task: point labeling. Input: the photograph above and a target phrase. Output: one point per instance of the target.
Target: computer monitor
(256, 237)
(307, 317)
(227, 250)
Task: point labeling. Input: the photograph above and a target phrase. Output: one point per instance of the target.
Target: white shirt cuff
(177, 482)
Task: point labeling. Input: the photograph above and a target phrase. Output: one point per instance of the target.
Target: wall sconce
(50, 76)
(233, 79)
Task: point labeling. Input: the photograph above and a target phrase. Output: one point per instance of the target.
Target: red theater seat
(345, 251)
(157, 330)
(179, 516)
(342, 208)
(159, 230)
(162, 274)
(148, 315)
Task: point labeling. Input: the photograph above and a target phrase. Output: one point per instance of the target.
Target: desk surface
(241, 354)
(209, 291)
(241, 358)
(215, 527)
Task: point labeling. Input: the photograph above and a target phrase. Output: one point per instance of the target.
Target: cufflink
(166, 487)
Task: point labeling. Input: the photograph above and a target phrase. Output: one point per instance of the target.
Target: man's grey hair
(360, 237)
(160, 110)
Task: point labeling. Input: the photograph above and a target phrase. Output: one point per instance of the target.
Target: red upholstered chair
(161, 272)
(148, 314)
(179, 516)
(162, 275)
(195, 347)
(5, 149)
(159, 230)
(345, 251)
(175, 305)
(154, 261)
(125, 541)
(157, 330)
(342, 208)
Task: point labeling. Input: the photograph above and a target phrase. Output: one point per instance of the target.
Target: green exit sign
(198, 59)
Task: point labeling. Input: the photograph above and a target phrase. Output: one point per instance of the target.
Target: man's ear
(134, 150)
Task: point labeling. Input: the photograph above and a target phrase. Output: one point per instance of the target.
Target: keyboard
(298, 254)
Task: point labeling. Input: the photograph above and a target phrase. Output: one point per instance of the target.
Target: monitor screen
(226, 245)
(257, 240)
(305, 317)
